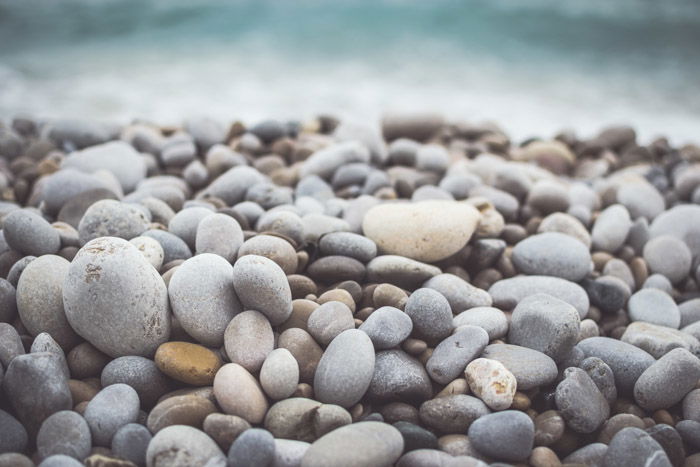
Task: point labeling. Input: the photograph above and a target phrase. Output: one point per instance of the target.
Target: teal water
(534, 66)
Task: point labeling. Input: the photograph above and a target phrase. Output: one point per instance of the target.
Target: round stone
(130, 442)
(110, 218)
(530, 367)
(261, 285)
(141, 374)
(254, 447)
(682, 222)
(190, 363)
(13, 436)
(238, 393)
(182, 446)
(425, 231)
(580, 402)
(151, 249)
(173, 246)
(451, 356)
(626, 361)
(289, 452)
(275, 248)
(668, 380)
(491, 382)
(632, 447)
(219, 234)
(387, 327)
(185, 223)
(348, 244)
(332, 269)
(64, 432)
(492, 320)
(8, 301)
(654, 306)
(507, 435)
(611, 228)
(187, 410)
(603, 377)
(248, 340)
(507, 293)
(329, 320)
(60, 460)
(430, 313)
(40, 299)
(552, 254)
(669, 256)
(279, 374)
(345, 370)
(399, 270)
(112, 408)
(398, 376)
(98, 296)
(30, 234)
(452, 414)
(224, 429)
(566, 224)
(118, 157)
(659, 340)
(203, 297)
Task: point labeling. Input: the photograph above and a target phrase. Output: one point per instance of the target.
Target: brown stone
(190, 363)
(224, 429)
(179, 410)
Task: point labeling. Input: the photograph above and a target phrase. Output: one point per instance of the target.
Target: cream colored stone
(491, 382)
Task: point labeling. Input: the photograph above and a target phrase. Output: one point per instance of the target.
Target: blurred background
(533, 66)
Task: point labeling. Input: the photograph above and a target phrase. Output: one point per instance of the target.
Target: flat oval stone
(591, 454)
(331, 269)
(552, 254)
(329, 320)
(248, 340)
(654, 306)
(507, 435)
(40, 299)
(180, 410)
(8, 301)
(459, 293)
(190, 363)
(530, 367)
(203, 297)
(293, 418)
(30, 234)
(112, 408)
(10, 344)
(566, 224)
(304, 349)
(669, 256)
(118, 157)
(603, 377)
(327, 160)
(580, 402)
(348, 244)
(279, 375)
(185, 223)
(261, 285)
(238, 393)
(668, 380)
(110, 218)
(289, 452)
(491, 382)
(276, 248)
(224, 429)
(546, 324)
(632, 447)
(608, 293)
(451, 356)
(681, 222)
(430, 313)
(507, 293)
(659, 340)
(387, 327)
(219, 234)
(151, 249)
(13, 436)
(98, 297)
(627, 361)
(426, 231)
(36, 387)
(130, 442)
(379, 443)
(452, 414)
(252, 448)
(492, 320)
(173, 246)
(60, 460)
(345, 370)
(398, 376)
(64, 432)
(182, 446)
(400, 271)
(141, 374)
(611, 228)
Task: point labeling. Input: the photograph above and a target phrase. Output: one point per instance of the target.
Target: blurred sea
(533, 66)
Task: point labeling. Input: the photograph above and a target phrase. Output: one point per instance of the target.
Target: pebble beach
(413, 292)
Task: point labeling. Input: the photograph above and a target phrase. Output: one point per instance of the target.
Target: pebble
(668, 380)
(98, 296)
(452, 414)
(60, 460)
(611, 228)
(669, 256)
(549, 428)
(492, 320)
(219, 234)
(546, 324)
(608, 293)
(261, 285)
(64, 432)
(415, 437)
(400, 271)
(179, 410)
(398, 376)
(690, 432)
(491, 382)
(670, 440)
(507, 435)
(151, 249)
(189, 363)
(654, 306)
(203, 298)
(112, 408)
(8, 301)
(552, 254)
(632, 447)
(30, 234)
(275, 248)
(85, 361)
(580, 402)
(110, 218)
(304, 419)
(531, 368)
(690, 311)
(131, 442)
(603, 377)
(507, 293)
(232, 185)
(329, 320)
(430, 313)
(326, 161)
(141, 374)
(681, 222)
(348, 244)
(279, 374)
(460, 294)
(345, 370)
(10, 344)
(248, 340)
(387, 327)
(626, 361)
(224, 429)
(238, 393)
(381, 444)
(451, 356)
(304, 349)
(566, 224)
(659, 340)
(616, 423)
(13, 436)
(426, 231)
(254, 447)
(119, 158)
(182, 446)
(174, 247)
(289, 452)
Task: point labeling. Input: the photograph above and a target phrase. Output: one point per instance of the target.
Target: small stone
(248, 340)
(329, 320)
(64, 432)
(141, 374)
(275, 248)
(549, 428)
(669, 256)
(430, 313)
(492, 320)
(333, 269)
(632, 447)
(690, 432)
(491, 382)
(415, 437)
(659, 340)
(253, 448)
(398, 376)
(400, 271)
(654, 306)
(110, 218)
(10, 344)
(261, 285)
(117, 157)
(185, 223)
(304, 349)
(670, 440)
(452, 414)
(30, 234)
(348, 244)
(611, 228)
(179, 410)
(174, 247)
(591, 454)
(608, 293)
(507, 293)
(238, 393)
(616, 423)
(530, 367)
(326, 161)
(552, 254)
(381, 444)
(224, 429)
(131, 442)
(627, 361)
(289, 452)
(279, 375)
(566, 224)
(507, 435)
(60, 460)
(451, 356)
(85, 361)
(182, 446)
(681, 222)
(190, 363)
(580, 402)
(603, 377)
(345, 370)
(459, 293)
(112, 408)
(13, 436)
(387, 327)
(667, 380)
(219, 234)
(8, 301)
